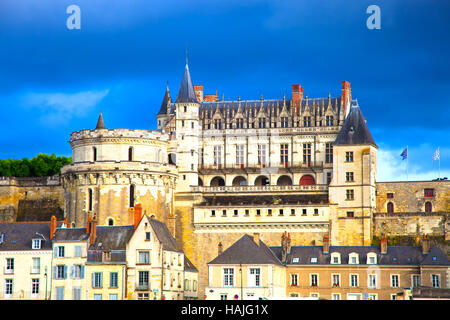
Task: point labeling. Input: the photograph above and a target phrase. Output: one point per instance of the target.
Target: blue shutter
(72, 270)
(55, 272)
(82, 272)
(101, 279)
(56, 251)
(93, 280)
(65, 272)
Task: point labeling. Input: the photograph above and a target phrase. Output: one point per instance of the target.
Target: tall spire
(186, 93)
(100, 123)
(166, 102)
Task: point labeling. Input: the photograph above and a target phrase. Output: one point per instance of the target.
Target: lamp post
(240, 270)
(46, 280)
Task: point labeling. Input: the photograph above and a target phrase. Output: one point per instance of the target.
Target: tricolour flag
(436, 155)
(404, 154)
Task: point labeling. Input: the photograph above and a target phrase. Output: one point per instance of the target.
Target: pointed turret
(187, 92)
(165, 103)
(355, 130)
(100, 123)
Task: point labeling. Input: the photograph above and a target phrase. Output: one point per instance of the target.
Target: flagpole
(407, 163)
(439, 164)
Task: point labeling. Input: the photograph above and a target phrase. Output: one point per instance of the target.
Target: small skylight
(313, 260)
(394, 259)
(295, 260)
(434, 258)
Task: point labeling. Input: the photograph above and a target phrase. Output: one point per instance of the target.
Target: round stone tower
(114, 169)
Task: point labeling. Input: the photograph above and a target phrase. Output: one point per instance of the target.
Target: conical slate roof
(100, 123)
(166, 102)
(186, 93)
(354, 130)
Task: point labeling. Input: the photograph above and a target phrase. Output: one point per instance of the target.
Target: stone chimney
(199, 92)
(326, 244)
(219, 248)
(256, 238)
(383, 244)
(297, 95)
(53, 224)
(137, 215)
(425, 244)
(93, 230)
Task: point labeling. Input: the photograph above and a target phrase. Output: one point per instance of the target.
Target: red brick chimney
(383, 244)
(199, 92)
(137, 215)
(326, 244)
(219, 248)
(425, 244)
(297, 95)
(88, 226)
(93, 231)
(53, 224)
(346, 96)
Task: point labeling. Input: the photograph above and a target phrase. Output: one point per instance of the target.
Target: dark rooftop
(18, 236)
(186, 92)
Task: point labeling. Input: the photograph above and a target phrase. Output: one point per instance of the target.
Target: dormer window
(36, 244)
(353, 258)
(335, 258)
(371, 258)
(313, 260)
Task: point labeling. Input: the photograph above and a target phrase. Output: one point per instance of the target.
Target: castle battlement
(30, 181)
(118, 133)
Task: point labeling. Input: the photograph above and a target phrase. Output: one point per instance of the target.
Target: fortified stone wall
(30, 199)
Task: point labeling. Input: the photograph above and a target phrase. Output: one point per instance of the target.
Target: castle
(215, 170)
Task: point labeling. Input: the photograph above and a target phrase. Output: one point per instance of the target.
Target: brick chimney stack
(383, 244)
(346, 97)
(283, 247)
(199, 92)
(288, 244)
(88, 225)
(137, 215)
(297, 95)
(93, 229)
(219, 248)
(53, 224)
(326, 244)
(425, 244)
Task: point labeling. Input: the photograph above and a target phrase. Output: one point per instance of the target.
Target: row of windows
(269, 212)
(262, 123)
(253, 279)
(428, 207)
(372, 280)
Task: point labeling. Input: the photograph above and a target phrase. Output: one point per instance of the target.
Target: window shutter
(65, 272)
(93, 280)
(82, 272)
(55, 272)
(56, 251)
(72, 270)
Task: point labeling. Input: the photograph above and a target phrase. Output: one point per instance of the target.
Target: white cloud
(391, 167)
(59, 108)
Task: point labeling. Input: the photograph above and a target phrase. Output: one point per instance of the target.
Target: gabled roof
(71, 234)
(354, 129)
(188, 265)
(186, 93)
(165, 103)
(246, 251)
(163, 234)
(112, 237)
(18, 236)
(100, 123)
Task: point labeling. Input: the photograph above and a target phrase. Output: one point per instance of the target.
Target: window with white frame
(217, 155)
(8, 288)
(254, 279)
(36, 244)
(314, 280)
(144, 257)
(239, 154)
(353, 258)
(9, 265)
(228, 277)
(60, 272)
(335, 258)
(336, 296)
(395, 281)
(372, 281)
(59, 251)
(294, 279)
(354, 280)
(97, 280)
(76, 293)
(435, 281)
(261, 154)
(36, 265)
(336, 280)
(371, 258)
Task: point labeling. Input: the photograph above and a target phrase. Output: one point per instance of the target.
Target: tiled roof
(354, 129)
(18, 236)
(165, 103)
(188, 265)
(112, 237)
(164, 236)
(186, 92)
(246, 251)
(396, 255)
(71, 234)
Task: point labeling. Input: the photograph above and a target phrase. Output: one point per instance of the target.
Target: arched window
(94, 151)
(428, 207)
(130, 154)
(390, 207)
(217, 182)
(90, 198)
(261, 181)
(110, 222)
(132, 191)
(284, 181)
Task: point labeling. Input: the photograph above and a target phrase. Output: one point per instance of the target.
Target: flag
(436, 155)
(404, 154)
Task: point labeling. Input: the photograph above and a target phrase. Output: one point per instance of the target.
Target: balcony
(315, 188)
(290, 166)
(142, 287)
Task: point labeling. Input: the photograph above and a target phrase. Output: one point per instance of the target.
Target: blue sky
(54, 81)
